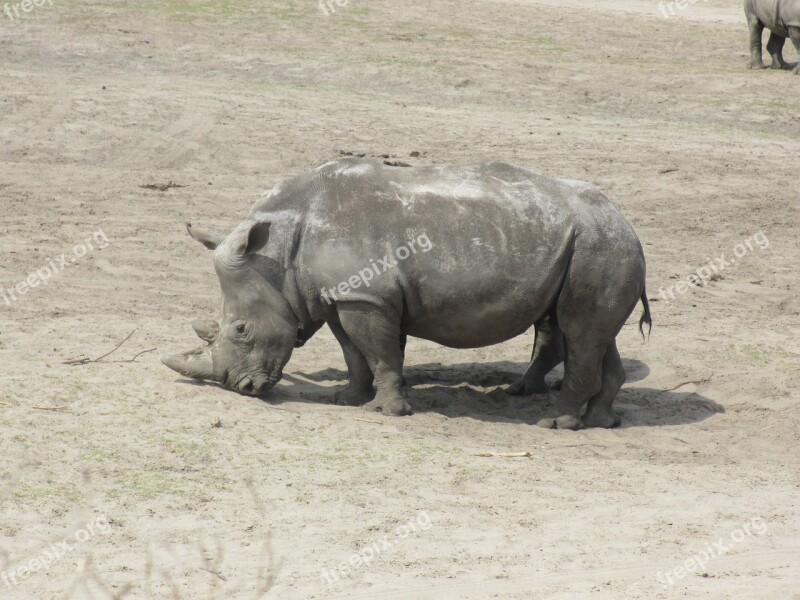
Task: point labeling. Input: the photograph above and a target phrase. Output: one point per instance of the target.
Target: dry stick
(505, 454)
(369, 421)
(135, 356)
(222, 577)
(696, 382)
(6, 403)
(273, 407)
(55, 408)
(83, 361)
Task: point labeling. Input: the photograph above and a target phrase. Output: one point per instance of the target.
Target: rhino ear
(250, 239)
(209, 240)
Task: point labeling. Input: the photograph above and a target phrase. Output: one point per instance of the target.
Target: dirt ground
(119, 479)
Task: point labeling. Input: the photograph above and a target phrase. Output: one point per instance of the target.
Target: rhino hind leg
(359, 388)
(794, 34)
(775, 49)
(756, 31)
(378, 338)
(582, 381)
(548, 352)
(599, 412)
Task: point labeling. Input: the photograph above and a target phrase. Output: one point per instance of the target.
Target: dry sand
(207, 493)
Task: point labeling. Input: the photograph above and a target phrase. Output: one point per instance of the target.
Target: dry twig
(696, 382)
(86, 361)
(505, 454)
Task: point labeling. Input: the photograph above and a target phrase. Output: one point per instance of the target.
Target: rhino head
(252, 340)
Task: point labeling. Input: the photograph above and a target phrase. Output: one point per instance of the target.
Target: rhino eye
(240, 328)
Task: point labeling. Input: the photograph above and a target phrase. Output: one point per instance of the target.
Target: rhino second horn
(206, 330)
(196, 364)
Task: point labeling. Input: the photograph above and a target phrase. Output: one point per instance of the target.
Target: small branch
(279, 408)
(84, 361)
(162, 187)
(505, 454)
(53, 408)
(135, 356)
(222, 577)
(696, 382)
(368, 421)
(115, 349)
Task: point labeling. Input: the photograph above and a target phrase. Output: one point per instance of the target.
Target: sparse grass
(149, 485)
(62, 494)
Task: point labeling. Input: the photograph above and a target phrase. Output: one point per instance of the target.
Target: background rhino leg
(359, 387)
(756, 29)
(599, 412)
(548, 351)
(377, 336)
(794, 33)
(775, 49)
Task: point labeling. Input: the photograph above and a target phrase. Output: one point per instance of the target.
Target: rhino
(782, 18)
(465, 256)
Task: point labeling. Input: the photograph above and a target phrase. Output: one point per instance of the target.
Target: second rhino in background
(782, 18)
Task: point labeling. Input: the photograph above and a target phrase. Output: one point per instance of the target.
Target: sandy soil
(163, 489)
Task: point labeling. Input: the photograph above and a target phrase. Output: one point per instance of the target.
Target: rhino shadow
(484, 374)
(476, 390)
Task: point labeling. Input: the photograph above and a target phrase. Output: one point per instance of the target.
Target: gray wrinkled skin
(782, 18)
(507, 249)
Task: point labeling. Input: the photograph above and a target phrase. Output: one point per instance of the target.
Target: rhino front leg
(756, 31)
(359, 388)
(794, 33)
(377, 335)
(775, 49)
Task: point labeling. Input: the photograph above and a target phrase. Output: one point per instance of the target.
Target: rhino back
(776, 15)
(790, 12)
(482, 244)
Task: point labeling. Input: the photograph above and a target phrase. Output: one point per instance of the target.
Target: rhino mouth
(255, 385)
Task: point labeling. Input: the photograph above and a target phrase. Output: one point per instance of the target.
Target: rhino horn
(196, 364)
(206, 330)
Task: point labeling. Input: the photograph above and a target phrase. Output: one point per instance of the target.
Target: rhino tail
(645, 316)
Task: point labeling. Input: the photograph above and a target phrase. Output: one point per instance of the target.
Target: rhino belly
(486, 301)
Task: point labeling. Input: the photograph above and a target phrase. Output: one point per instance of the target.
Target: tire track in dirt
(181, 140)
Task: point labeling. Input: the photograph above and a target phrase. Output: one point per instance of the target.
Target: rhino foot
(522, 387)
(605, 419)
(350, 396)
(395, 406)
(563, 422)
(796, 70)
(757, 65)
